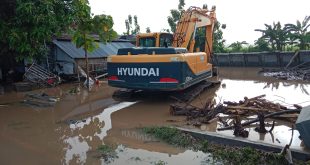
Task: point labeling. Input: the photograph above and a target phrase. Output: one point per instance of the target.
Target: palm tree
(300, 32)
(275, 35)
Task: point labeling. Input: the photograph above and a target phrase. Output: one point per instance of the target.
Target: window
(165, 40)
(147, 42)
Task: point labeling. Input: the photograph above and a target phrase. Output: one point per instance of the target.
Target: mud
(70, 131)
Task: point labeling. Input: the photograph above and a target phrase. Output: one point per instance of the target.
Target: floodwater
(70, 131)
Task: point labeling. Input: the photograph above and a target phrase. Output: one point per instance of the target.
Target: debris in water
(248, 107)
(40, 100)
(75, 90)
(299, 72)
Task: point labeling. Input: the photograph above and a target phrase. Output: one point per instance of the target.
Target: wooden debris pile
(299, 72)
(236, 111)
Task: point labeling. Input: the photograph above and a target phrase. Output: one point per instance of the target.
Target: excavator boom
(191, 20)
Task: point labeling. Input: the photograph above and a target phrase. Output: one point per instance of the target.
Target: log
(248, 108)
(266, 116)
(258, 97)
(177, 110)
(297, 106)
(261, 128)
(292, 59)
(186, 103)
(222, 121)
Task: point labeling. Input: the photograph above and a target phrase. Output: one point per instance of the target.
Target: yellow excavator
(166, 62)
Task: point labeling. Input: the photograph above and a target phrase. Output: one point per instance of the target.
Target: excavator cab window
(200, 38)
(165, 40)
(147, 42)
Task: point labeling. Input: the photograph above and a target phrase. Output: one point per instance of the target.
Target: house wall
(94, 64)
(64, 63)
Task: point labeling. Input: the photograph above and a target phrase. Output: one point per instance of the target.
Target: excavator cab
(160, 39)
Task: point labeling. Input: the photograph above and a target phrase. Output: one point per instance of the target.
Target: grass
(160, 162)
(220, 153)
(171, 135)
(107, 153)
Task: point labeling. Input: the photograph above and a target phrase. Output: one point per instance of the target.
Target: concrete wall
(260, 59)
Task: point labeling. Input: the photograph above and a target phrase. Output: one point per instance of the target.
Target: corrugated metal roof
(103, 50)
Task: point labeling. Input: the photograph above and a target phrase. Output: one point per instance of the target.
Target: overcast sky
(240, 16)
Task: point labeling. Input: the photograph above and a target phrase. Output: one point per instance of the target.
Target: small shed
(65, 57)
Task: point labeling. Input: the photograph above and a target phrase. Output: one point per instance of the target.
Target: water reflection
(47, 136)
(88, 134)
(236, 90)
(141, 156)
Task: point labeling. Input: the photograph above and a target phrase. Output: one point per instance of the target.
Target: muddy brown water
(70, 131)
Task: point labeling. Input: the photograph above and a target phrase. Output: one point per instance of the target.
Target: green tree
(261, 45)
(28, 25)
(237, 46)
(148, 30)
(137, 26)
(275, 35)
(176, 15)
(299, 32)
(218, 40)
(129, 28)
(85, 28)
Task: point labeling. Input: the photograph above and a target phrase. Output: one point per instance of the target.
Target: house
(65, 57)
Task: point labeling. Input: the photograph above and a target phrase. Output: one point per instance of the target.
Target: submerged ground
(71, 131)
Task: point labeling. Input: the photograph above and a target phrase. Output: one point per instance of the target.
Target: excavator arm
(192, 19)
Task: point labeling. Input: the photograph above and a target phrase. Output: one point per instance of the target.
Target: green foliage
(299, 33)
(148, 30)
(170, 135)
(220, 153)
(102, 25)
(261, 45)
(129, 28)
(107, 153)
(31, 24)
(275, 35)
(86, 26)
(204, 146)
(105, 149)
(160, 162)
(237, 46)
(176, 16)
(218, 41)
(247, 155)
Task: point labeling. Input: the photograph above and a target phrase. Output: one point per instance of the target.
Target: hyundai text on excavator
(154, 65)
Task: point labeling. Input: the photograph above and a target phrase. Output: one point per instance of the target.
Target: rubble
(38, 75)
(299, 72)
(237, 111)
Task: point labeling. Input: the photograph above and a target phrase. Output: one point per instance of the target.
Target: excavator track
(186, 95)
